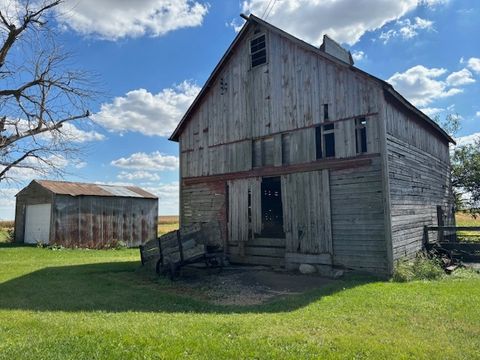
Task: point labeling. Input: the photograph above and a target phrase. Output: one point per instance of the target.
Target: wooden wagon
(188, 245)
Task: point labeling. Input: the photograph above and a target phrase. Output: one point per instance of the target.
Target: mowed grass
(167, 224)
(96, 304)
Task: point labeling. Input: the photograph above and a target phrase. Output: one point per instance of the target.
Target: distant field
(465, 219)
(170, 222)
(167, 224)
(4, 227)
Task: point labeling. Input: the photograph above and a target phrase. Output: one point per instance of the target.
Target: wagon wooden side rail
(190, 244)
(454, 244)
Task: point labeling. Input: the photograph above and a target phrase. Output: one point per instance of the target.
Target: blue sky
(152, 56)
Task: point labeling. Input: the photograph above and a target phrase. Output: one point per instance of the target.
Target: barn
(306, 159)
(75, 214)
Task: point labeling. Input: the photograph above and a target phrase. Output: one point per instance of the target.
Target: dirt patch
(244, 285)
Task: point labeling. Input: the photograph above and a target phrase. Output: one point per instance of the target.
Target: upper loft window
(325, 141)
(258, 51)
(262, 152)
(361, 135)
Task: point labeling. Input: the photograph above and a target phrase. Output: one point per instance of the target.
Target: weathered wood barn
(84, 215)
(304, 158)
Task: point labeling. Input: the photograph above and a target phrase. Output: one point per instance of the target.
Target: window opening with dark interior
(361, 135)
(258, 51)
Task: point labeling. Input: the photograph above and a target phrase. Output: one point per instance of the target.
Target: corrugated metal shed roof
(79, 189)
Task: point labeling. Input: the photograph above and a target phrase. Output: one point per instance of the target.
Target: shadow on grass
(11, 245)
(121, 286)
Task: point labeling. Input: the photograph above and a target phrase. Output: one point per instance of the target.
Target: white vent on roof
(335, 49)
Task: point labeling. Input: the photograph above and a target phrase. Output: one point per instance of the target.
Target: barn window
(329, 140)
(257, 153)
(285, 149)
(262, 152)
(318, 142)
(325, 111)
(361, 135)
(325, 141)
(258, 51)
(267, 151)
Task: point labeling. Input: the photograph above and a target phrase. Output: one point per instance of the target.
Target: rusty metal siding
(98, 222)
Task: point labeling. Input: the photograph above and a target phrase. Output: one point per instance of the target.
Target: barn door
(272, 210)
(37, 224)
(244, 209)
(306, 212)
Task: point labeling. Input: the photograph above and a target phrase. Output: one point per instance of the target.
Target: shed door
(37, 224)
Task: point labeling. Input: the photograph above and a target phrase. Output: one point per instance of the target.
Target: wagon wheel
(158, 267)
(211, 262)
(172, 270)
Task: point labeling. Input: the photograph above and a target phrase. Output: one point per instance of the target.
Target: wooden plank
(297, 258)
(266, 242)
(454, 228)
(256, 260)
(273, 252)
(335, 164)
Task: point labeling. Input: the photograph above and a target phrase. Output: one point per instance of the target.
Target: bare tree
(39, 92)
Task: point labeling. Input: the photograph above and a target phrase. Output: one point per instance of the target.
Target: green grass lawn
(96, 304)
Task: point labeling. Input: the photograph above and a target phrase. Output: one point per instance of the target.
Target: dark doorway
(272, 212)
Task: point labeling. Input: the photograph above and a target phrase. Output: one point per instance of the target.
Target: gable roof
(86, 189)
(252, 19)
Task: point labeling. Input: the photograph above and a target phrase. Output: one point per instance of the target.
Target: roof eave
(252, 18)
(417, 112)
(176, 133)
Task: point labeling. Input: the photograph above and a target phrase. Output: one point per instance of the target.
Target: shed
(75, 214)
(304, 158)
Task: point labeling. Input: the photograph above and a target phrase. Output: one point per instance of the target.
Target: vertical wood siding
(240, 227)
(285, 95)
(306, 212)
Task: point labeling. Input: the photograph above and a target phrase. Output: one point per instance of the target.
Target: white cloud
(168, 197)
(477, 114)
(462, 77)
(140, 161)
(147, 113)
(7, 202)
(422, 85)
(432, 111)
(34, 168)
(358, 55)
(80, 165)
(407, 29)
(474, 64)
(138, 175)
(113, 19)
(78, 135)
(70, 132)
(344, 20)
(468, 139)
